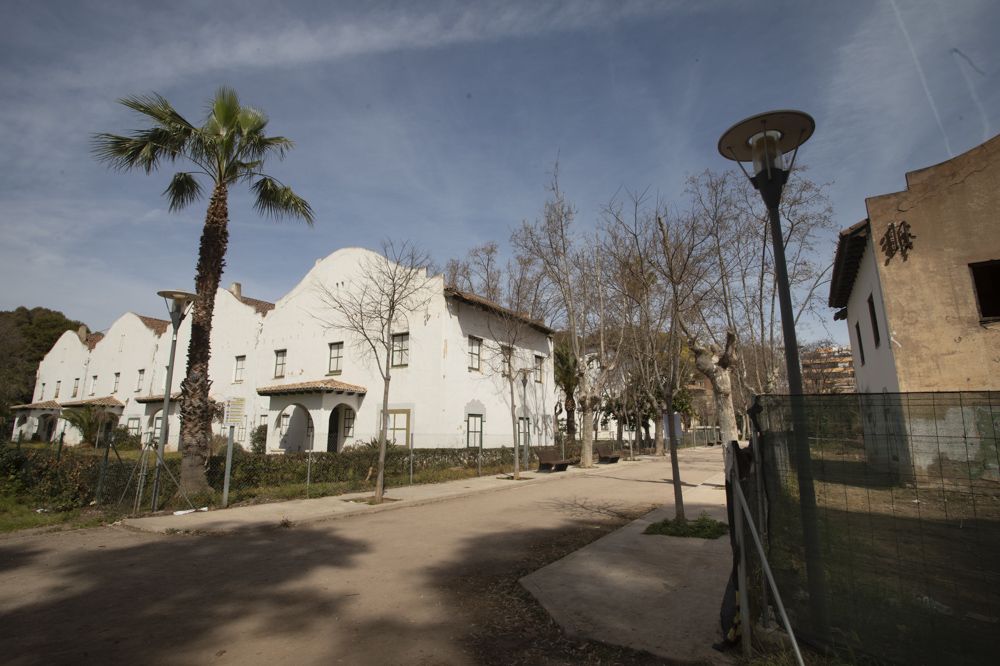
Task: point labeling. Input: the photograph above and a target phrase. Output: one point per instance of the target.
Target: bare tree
(375, 308)
(518, 302)
(568, 263)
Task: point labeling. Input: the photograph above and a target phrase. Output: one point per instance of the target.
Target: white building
(311, 383)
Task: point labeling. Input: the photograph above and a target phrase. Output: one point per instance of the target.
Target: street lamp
(178, 303)
(764, 140)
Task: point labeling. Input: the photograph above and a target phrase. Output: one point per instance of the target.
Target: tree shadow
(115, 596)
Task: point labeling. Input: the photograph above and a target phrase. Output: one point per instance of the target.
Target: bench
(549, 460)
(607, 456)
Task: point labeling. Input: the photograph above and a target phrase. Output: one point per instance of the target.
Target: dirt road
(426, 584)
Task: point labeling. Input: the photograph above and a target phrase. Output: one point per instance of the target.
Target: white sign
(235, 410)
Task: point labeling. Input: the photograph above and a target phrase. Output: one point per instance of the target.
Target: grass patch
(18, 512)
(705, 527)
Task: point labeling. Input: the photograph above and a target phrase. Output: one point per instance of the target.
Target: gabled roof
(496, 308)
(46, 404)
(262, 307)
(850, 249)
(158, 326)
(105, 401)
(317, 386)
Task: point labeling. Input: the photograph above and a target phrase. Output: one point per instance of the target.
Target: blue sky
(440, 121)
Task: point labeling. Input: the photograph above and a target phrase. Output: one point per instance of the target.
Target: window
(138, 380)
(399, 426)
(118, 377)
(475, 353)
(524, 430)
(986, 280)
(133, 425)
(58, 386)
(285, 419)
(157, 425)
(400, 350)
(279, 362)
(871, 313)
(93, 384)
(348, 422)
(41, 393)
(241, 431)
(474, 431)
(539, 364)
(336, 358)
(263, 420)
(238, 369)
(507, 354)
(76, 387)
(861, 345)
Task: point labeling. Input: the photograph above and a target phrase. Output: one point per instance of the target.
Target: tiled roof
(156, 398)
(106, 401)
(486, 304)
(262, 307)
(158, 326)
(93, 339)
(318, 386)
(850, 249)
(47, 404)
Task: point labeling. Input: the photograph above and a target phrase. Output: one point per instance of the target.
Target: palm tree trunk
(196, 407)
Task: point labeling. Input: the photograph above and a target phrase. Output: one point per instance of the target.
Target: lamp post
(178, 303)
(764, 140)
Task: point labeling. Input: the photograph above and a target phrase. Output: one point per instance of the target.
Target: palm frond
(182, 190)
(256, 146)
(226, 108)
(142, 150)
(278, 201)
(251, 120)
(159, 109)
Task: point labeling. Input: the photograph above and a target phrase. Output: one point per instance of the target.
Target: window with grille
(474, 431)
(475, 353)
(400, 350)
(279, 362)
(336, 358)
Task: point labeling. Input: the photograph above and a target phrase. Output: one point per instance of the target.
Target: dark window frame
(861, 344)
(980, 280)
(874, 318)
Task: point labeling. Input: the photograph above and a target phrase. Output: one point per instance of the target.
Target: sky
(440, 122)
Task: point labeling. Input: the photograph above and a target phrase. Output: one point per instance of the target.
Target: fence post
(104, 471)
(229, 468)
(309, 468)
(741, 567)
(20, 436)
(59, 448)
(479, 455)
(411, 458)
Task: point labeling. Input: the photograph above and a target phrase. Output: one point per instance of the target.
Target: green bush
(125, 440)
(258, 439)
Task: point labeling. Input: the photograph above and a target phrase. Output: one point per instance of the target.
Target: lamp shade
(765, 138)
(178, 299)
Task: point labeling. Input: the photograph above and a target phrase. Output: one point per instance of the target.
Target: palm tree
(230, 147)
(89, 421)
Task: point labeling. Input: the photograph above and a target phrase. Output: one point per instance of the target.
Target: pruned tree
(374, 308)
(577, 274)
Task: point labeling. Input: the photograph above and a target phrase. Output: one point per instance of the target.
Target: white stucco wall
(878, 372)
(436, 386)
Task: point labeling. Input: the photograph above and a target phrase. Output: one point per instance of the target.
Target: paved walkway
(391, 585)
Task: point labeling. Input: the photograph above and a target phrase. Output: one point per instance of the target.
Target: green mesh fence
(907, 510)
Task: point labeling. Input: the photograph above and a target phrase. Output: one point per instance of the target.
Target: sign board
(235, 411)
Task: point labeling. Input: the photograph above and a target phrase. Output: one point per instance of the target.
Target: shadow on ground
(128, 602)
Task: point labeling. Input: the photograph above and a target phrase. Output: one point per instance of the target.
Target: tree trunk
(196, 407)
(384, 431)
(675, 468)
(717, 369)
(664, 415)
(513, 423)
(587, 425)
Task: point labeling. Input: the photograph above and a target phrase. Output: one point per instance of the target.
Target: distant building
(828, 370)
(918, 281)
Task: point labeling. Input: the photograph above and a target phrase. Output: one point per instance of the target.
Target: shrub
(125, 440)
(258, 439)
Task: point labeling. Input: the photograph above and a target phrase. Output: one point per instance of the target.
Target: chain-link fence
(61, 477)
(899, 560)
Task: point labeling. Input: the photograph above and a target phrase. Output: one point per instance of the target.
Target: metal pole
(165, 427)
(527, 422)
(741, 567)
(229, 468)
(803, 463)
(59, 448)
(411, 458)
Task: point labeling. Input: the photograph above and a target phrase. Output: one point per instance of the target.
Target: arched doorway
(341, 428)
(46, 427)
(295, 429)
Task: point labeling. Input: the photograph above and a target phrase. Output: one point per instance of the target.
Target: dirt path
(423, 585)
